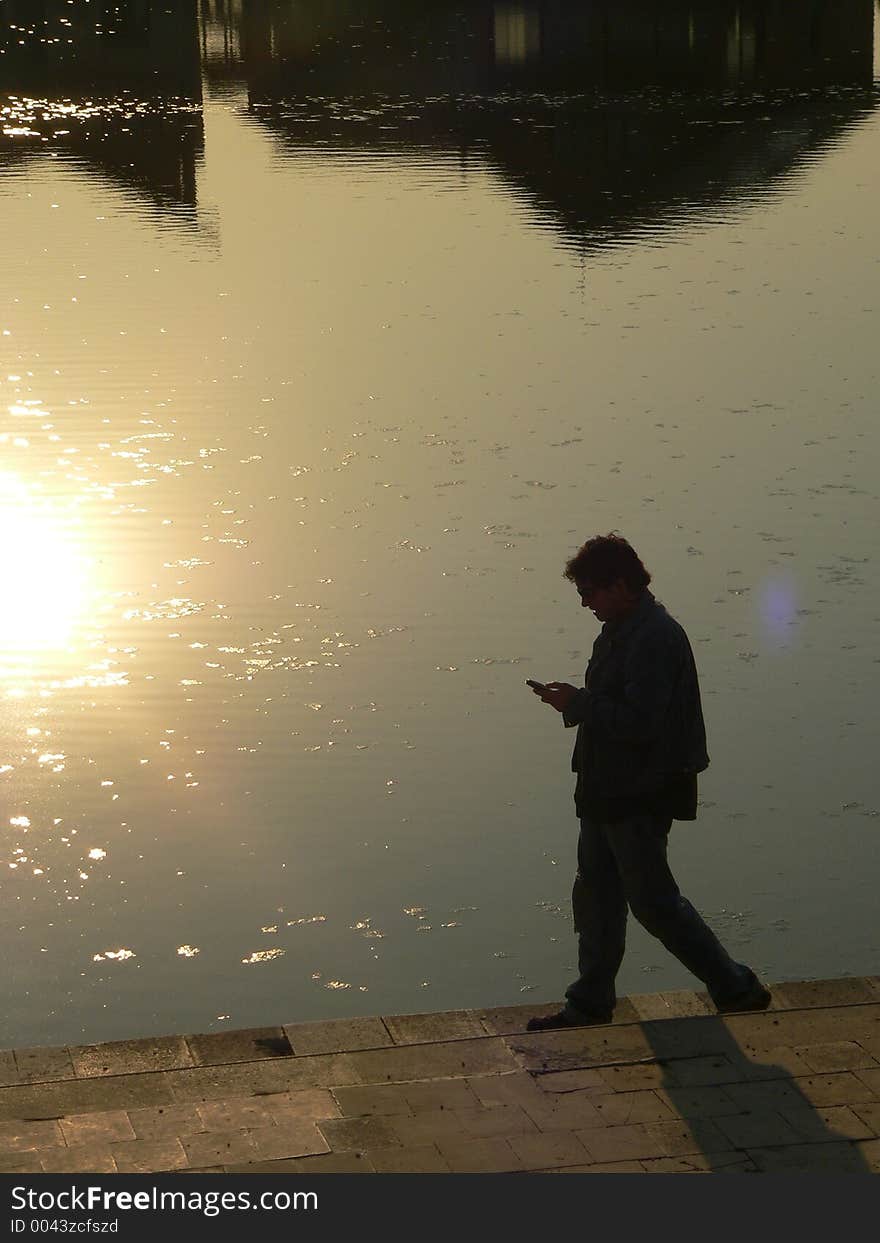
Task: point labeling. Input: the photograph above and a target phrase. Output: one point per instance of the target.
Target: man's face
(609, 604)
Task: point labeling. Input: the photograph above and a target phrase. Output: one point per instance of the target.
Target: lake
(330, 331)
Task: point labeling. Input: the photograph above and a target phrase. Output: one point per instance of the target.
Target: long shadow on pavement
(785, 1090)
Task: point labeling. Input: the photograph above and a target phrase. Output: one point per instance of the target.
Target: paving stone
(446, 1025)
(452, 1059)
(699, 1036)
(871, 1079)
(425, 1159)
(40, 1065)
(9, 1073)
(213, 1083)
(621, 1108)
(772, 1063)
(479, 1156)
(518, 1088)
(425, 1127)
(676, 1165)
(569, 1112)
(337, 1036)
(127, 1057)
(625, 1012)
(803, 1078)
(695, 1071)
(840, 1055)
(219, 1148)
(216, 1048)
(309, 1103)
(582, 1047)
(744, 1037)
(769, 1096)
(500, 1120)
(290, 1139)
(869, 1153)
(822, 993)
(758, 1130)
(204, 1083)
(798, 1028)
(508, 1020)
(448, 1094)
(144, 1156)
(699, 1102)
(607, 1167)
(20, 1163)
(358, 1134)
(621, 1143)
(74, 1096)
(702, 1163)
(780, 1064)
(323, 1163)
(377, 1099)
(628, 1078)
(672, 1005)
(842, 1088)
(84, 1159)
(573, 1081)
(837, 1158)
(871, 1044)
(869, 1112)
(21, 1136)
(451, 1124)
(92, 1128)
(234, 1113)
(539, 1151)
(163, 1121)
(823, 1123)
(681, 1138)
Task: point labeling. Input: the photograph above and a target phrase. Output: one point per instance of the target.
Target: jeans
(624, 865)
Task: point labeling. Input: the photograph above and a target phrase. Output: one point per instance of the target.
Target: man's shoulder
(660, 622)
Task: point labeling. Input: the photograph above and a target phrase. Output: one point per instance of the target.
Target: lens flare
(778, 607)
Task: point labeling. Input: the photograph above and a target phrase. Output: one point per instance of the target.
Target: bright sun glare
(45, 575)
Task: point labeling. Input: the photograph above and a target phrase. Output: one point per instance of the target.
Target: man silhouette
(640, 743)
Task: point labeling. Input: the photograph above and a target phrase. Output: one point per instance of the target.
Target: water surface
(329, 333)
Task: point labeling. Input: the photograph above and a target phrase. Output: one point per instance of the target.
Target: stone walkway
(668, 1087)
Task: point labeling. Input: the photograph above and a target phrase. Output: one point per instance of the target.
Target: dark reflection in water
(116, 87)
(608, 119)
(376, 46)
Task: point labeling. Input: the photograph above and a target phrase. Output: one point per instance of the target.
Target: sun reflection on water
(46, 576)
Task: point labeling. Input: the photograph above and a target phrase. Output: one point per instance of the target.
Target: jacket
(641, 738)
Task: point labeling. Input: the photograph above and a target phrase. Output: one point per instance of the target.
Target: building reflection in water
(516, 33)
(564, 45)
(114, 86)
(624, 113)
(606, 117)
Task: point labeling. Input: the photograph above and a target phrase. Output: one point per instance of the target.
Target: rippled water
(329, 333)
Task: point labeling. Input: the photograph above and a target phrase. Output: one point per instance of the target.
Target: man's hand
(557, 694)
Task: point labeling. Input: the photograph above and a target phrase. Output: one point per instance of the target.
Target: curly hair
(604, 559)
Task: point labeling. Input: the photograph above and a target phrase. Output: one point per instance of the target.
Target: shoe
(555, 1022)
(755, 997)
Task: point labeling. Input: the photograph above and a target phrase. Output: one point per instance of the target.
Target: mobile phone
(538, 686)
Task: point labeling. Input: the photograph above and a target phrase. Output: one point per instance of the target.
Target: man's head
(609, 576)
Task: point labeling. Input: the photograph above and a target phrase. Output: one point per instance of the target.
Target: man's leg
(639, 848)
(599, 910)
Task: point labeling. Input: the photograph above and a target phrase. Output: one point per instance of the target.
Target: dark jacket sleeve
(650, 675)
